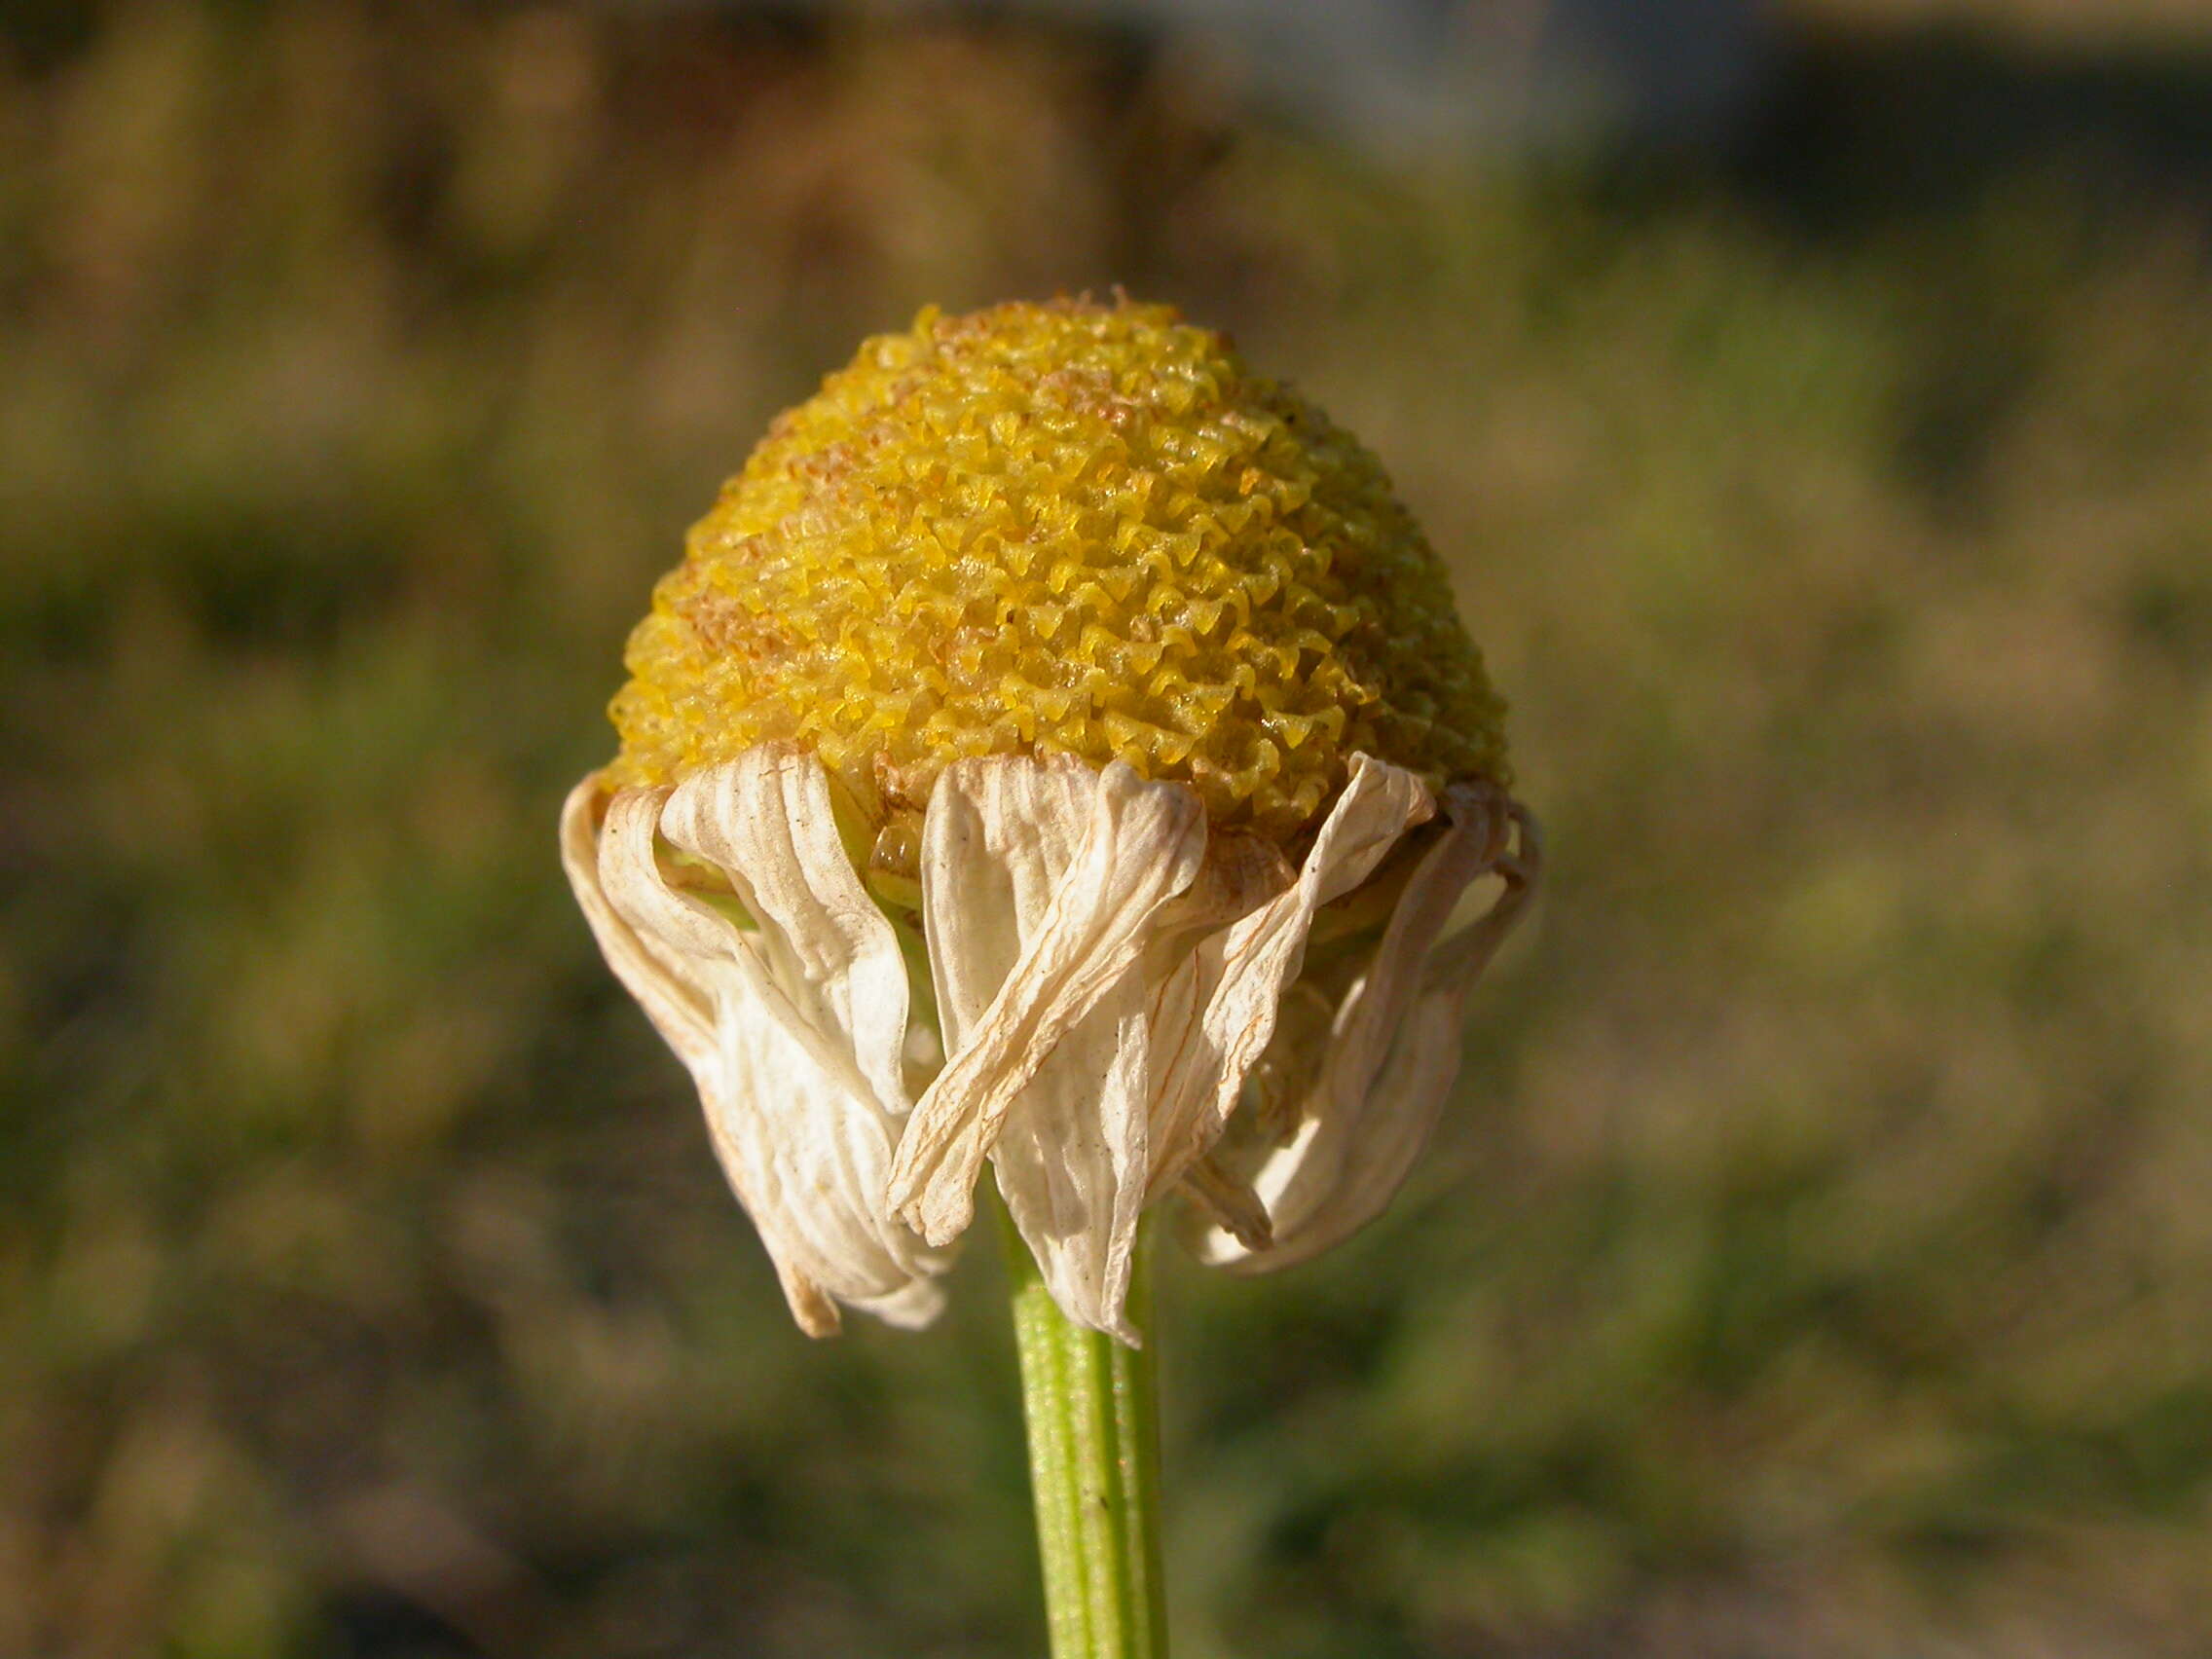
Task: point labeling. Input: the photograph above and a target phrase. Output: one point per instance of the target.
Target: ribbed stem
(1093, 1469)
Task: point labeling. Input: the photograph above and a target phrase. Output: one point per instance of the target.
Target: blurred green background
(1820, 1260)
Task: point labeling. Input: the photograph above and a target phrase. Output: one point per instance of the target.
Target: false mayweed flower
(1058, 747)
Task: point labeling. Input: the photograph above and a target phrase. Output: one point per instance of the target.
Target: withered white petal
(680, 1005)
(766, 822)
(1392, 1054)
(1071, 1160)
(1043, 883)
(1213, 1016)
(787, 1001)
(795, 1136)
(682, 1013)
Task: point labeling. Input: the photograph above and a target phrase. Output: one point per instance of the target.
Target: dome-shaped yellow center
(1061, 527)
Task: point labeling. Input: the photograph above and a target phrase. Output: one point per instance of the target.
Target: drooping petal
(681, 1010)
(1005, 835)
(681, 1004)
(814, 1156)
(784, 997)
(1393, 1053)
(998, 838)
(766, 821)
(1071, 1160)
(1043, 883)
(1215, 1012)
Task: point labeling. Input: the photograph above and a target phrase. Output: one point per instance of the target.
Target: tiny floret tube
(1058, 749)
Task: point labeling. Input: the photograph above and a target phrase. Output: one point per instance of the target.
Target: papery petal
(1213, 1016)
(813, 1160)
(1042, 885)
(997, 842)
(791, 1027)
(765, 820)
(1071, 1160)
(681, 1010)
(1393, 1054)
(679, 1003)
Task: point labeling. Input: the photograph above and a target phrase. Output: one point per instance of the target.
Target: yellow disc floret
(1063, 527)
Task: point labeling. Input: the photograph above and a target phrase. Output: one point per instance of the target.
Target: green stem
(1093, 1469)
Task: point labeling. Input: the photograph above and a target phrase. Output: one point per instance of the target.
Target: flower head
(1058, 747)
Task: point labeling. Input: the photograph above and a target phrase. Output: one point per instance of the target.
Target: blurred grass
(1816, 1265)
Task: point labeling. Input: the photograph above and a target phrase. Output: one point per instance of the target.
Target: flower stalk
(1093, 1469)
